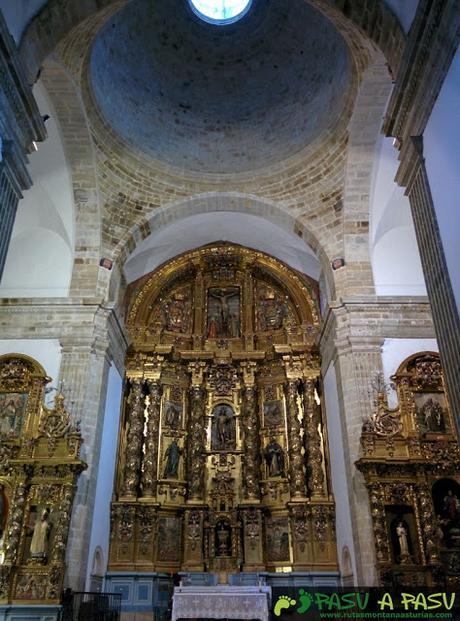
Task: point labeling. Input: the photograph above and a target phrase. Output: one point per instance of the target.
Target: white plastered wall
(394, 252)
(395, 351)
(101, 516)
(40, 256)
(45, 351)
(340, 481)
(441, 149)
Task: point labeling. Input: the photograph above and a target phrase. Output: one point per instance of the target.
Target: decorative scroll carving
(147, 526)
(135, 436)
(223, 378)
(149, 474)
(312, 421)
(296, 471)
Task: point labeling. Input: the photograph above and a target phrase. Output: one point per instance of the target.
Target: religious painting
(223, 320)
(446, 500)
(223, 430)
(400, 523)
(431, 412)
(273, 413)
(172, 414)
(278, 539)
(12, 411)
(169, 536)
(171, 458)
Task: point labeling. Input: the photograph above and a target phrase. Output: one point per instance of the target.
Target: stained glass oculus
(220, 11)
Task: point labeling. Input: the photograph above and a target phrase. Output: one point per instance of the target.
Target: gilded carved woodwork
(410, 461)
(39, 467)
(213, 450)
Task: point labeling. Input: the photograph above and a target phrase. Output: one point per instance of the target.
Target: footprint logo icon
(306, 600)
(284, 602)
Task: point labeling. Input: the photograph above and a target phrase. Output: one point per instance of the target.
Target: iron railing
(84, 606)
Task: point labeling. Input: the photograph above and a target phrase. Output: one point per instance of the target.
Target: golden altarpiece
(222, 459)
(39, 467)
(411, 464)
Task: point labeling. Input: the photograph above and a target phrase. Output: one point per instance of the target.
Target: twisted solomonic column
(312, 437)
(296, 472)
(134, 440)
(196, 443)
(251, 458)
(150, 471)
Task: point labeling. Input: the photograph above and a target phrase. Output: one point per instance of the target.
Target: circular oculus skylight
(220, 11)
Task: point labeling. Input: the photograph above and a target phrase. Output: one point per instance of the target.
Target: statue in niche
(431, 416)
(173, 413)
(272, 311)
(223, 313)
(223, 435)
(401, 540)
(275, 459)
(40, 536)
(172, 456)
(176, 313)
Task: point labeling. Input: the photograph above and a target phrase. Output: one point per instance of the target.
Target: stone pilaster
(150, 474)
(84, 369)
(446, 321)
(20, 125)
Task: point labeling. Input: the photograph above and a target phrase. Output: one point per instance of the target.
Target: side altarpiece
(222, 460)
(39, 466)
(411, 465)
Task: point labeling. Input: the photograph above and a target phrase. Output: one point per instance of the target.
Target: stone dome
(219, 98)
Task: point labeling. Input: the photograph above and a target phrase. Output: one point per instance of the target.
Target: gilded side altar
(39, 466)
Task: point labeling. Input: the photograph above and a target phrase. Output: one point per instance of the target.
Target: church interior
(229, 306)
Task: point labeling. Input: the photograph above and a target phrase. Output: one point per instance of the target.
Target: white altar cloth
(221, 602)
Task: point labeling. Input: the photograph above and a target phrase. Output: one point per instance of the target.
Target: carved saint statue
(172, 456)
(401, 533)
(223, 431)
(40, 535)
(275, 459)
